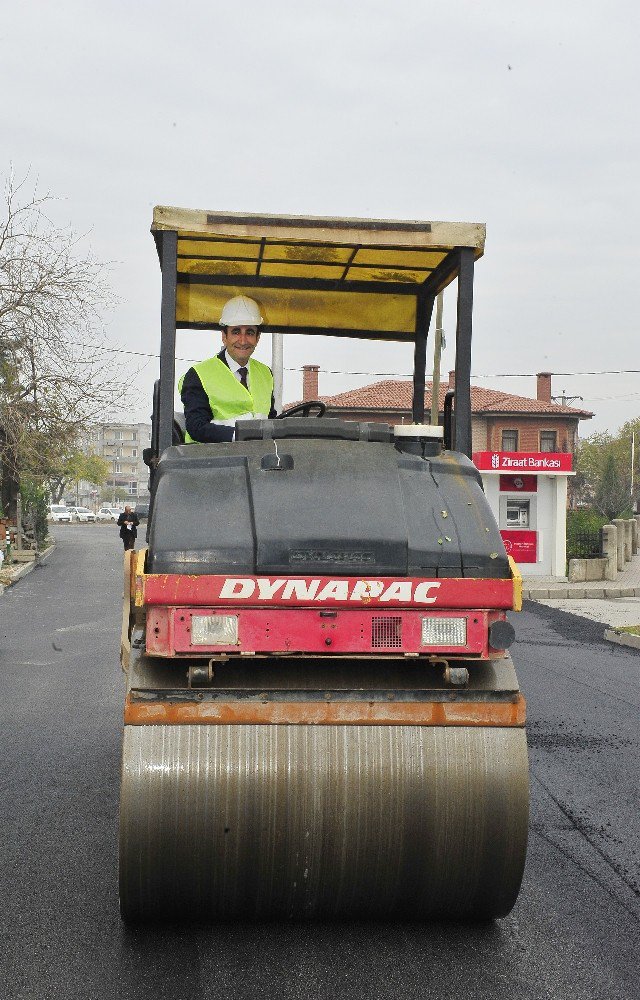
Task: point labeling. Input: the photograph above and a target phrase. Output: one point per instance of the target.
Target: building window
(117, 468)
(134, 452)
(133, 489)
(548, 441)
(509, 441)
(135, 435)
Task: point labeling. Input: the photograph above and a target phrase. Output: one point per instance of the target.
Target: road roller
(322, 716)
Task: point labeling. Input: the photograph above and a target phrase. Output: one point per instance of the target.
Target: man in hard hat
(232, 386)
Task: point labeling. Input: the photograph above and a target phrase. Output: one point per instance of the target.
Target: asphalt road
(573, 933)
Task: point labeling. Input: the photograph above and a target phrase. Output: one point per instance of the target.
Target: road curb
(579, 594)
(622, 638)
(24, 569)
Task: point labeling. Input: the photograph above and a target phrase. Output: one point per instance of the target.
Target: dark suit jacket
(197, 412)
(124, 519)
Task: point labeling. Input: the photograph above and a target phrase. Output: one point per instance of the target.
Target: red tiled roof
(397, 394)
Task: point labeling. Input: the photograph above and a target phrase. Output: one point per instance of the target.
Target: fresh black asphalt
(573, 933)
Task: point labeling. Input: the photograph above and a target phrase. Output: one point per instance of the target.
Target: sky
(523, 116)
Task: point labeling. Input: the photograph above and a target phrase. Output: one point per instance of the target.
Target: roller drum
(322, 821)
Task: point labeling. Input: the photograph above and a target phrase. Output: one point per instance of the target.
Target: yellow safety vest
(228, 398)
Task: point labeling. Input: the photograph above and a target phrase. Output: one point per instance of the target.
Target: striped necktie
(242, 372)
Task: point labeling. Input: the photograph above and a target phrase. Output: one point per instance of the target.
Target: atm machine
(527, 492)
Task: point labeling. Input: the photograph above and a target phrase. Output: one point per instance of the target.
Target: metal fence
(584, 544)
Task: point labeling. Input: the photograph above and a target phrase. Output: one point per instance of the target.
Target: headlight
(214, 630)
(444, 631)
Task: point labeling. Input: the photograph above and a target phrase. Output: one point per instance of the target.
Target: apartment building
(122, 446)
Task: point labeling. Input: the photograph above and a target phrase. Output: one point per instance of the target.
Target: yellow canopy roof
(346, 277)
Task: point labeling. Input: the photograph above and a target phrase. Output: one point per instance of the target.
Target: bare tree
(52, 295)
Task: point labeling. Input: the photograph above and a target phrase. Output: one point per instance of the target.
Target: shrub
(34, 510)
(583, 533)
(584, 520)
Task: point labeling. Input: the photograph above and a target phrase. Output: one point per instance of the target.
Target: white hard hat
(241, 311)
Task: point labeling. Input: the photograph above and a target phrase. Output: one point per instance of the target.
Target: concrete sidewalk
(543, 588)
(10, 574)
(615, 603)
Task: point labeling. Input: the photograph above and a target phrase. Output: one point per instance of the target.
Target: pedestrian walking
(128, 523)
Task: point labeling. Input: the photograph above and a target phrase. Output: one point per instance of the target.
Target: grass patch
(633, 629)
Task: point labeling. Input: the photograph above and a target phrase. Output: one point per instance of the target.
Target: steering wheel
(304, 409)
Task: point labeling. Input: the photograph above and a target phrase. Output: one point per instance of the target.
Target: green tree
(603, 471)
(612, 492)
(117, 493)
(74, 468)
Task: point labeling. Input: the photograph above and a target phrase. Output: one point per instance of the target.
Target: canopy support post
(462, 409)
(169, 265)
(277, 361)
(424, 309)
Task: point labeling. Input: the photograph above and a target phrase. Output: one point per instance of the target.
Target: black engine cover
(326, 506)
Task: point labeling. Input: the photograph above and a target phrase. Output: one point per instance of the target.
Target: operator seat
(179, 428)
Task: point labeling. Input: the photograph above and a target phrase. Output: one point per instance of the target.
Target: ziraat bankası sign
(548, 462)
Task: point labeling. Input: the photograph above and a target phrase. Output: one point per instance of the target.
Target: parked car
(58, 512)
(82, 514)
(142, 510)
(108, 514)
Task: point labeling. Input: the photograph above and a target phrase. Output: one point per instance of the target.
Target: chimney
(543, 393)
(452, 379)
(310, 382)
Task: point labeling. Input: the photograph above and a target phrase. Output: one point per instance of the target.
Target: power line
(622, 371)
(600, 399)
(339, 371)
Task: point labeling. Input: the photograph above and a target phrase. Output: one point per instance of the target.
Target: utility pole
(565, 400)
(437, 351)
(633, 462)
